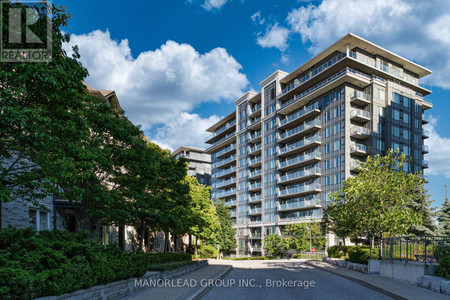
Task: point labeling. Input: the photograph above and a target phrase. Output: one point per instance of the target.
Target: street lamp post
(445, 192)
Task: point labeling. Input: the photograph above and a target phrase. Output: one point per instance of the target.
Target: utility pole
(445, 192)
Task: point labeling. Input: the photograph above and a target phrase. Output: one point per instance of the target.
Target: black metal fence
(425, 249)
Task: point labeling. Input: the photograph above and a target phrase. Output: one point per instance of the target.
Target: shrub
(359, 254)
(56, 262)
(338, 251)
(443, 270)
(207, 251)
(252, 258)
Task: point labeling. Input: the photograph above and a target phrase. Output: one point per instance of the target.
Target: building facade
(199, 163)
(276, 158)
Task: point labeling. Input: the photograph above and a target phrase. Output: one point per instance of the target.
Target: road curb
(204, 290)
(361, 282)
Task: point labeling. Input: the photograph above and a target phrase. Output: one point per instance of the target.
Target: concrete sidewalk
(188, 286)
(388, 286)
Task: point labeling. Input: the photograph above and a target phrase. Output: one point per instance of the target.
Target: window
(337, 145)
(406, 150)
(380, 145)
(337, 161)
(406, 102)
(380, 128)
(381, 111)
(327, 164)
(337, 128)
(405, 118)
(39, 219)
(395, 131)
(380, 94)
(396, 98)
(395, 146)
(395, 114)
(406, 134)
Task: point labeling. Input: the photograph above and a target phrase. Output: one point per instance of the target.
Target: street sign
(313, 250)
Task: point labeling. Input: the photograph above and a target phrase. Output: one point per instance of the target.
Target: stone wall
(434, 283)
(346, 264)
(122, 288)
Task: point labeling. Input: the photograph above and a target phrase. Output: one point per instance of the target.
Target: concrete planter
(122, 288)
(346, 264)
(406, 271)
(374, 267)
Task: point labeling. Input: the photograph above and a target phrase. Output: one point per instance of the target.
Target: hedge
(338, 251)
(359, 254)
(57, 262)
(207, 251)
(443, 270)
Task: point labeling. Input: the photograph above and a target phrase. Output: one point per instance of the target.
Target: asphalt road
(285, 280)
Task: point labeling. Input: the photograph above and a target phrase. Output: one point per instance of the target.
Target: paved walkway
(187, 286)
(393, 288)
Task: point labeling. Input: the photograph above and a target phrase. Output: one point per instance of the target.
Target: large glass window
(39, 219)
(395, 114)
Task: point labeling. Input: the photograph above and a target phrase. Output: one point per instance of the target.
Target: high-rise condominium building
(199, 163)
(284, 149)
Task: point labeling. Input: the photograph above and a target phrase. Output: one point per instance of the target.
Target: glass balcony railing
(312, 89)
(256, 185)
(300, 113)
(255, 211)
(306, 141)
(228, 136)
(226, 193)
(225, 150)
(300, 80)
(224, 161)
(225, 182)
(255, 235)
(358, 130)
(256, 108)
(220, 130)
(360, 113)
(425, 148)
(298, 204)
(300, 158)
(300, 173)
(299, 189)
(255, 148)
(360, 95)
(256, 173)
(255, 198)
(225, 171)
(424, 163)
(389, 70)
(251, 123)
(303, 127)
(230, 203)
(255, 160)
(358, 148)
(425, 134)
(255, 135)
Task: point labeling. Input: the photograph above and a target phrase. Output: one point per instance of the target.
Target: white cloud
(214, 4)
(276, 36)
(159, 85)
(256, 18)
(418, 30)
(439, 148)
(185, 130)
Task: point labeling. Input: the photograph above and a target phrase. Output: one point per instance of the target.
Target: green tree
(276, 246)
(444, 218)
(303, 235)
(203, 221)
(379, 200)
(226, 236)
(40, 106)
(337, 220)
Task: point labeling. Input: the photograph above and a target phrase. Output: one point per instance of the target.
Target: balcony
(254, 211)
(233, 214)
(301, 145)
(255, 235)
(225, 183)
(359, 132)
(299, 81)
(255, 162)
(255, 186)
(358, 149)
(254, 124)
(255, 221)
(224, 172)
(225, 150)
(424, 149)
(255, 110)
(219, 131)
(225, 162)
(354, 166)
(424, 164)
(296, 118)
(255, 199)
(300, 160)
(300, 175)
(256, 137)
(225, 140)
(256, 173)
(301, 130)
(230, 203)
(230, 192)
(299, 205)
(360, 115)
(425, 134)
(360, 98)
(332, 81)
(255, 149)
(299, 190)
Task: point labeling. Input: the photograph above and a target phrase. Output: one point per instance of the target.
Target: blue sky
(178, 65)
